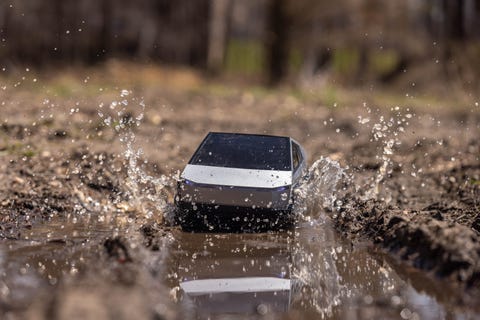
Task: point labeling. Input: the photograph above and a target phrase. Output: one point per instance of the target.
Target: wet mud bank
(428, 217)
(35, 190)
(446, 249)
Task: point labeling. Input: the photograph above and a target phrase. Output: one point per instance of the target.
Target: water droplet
(363, 120)
(368, 299)
(406, 313)
(395, 300)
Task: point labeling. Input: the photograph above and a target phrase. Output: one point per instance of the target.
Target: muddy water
(309, 273)
(34, 264)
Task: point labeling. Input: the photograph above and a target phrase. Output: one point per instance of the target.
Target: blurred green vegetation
(295, 60)
(475, 182)
(17, 148)
(245, 57)
(356, 42)
(345, 62)
(105, 81)
(383, 62)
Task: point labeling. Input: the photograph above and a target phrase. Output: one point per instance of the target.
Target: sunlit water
(310, 272)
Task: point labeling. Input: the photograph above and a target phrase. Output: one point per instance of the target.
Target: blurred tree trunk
(315, 56)
(470, 16)
(277, 41)
(146, 39)
(105, 32)
(361, 71)
(59, 29)
(454, 18)
(220, 14)
(451, 31)
(148, 29)
(5, 30)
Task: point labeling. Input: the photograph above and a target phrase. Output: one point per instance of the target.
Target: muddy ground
(411, 185)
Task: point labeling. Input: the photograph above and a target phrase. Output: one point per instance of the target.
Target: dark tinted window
(296, 156)
(244, 151)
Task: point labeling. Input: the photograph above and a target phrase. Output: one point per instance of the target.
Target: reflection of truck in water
(248, 274)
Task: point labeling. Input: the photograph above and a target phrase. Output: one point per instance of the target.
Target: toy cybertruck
(240, 182)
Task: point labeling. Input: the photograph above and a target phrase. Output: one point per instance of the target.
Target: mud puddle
(46, 254)
(308, 273)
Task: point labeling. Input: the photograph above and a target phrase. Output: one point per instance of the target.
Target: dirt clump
(117, 249)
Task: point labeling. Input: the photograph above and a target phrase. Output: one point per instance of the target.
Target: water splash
(326, 183)
(386, 132)
(316, 277)
(145, 194)
(319, 189)
(148, 194)
(315, 273)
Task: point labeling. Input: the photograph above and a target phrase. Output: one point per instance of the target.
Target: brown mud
(60, 162)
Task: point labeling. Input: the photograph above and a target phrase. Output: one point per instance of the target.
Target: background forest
(420, 43)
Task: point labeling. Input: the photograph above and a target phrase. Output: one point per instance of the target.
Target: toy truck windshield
(257, 152)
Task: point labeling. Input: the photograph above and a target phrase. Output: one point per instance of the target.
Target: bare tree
(220, 13)
(277, 40)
